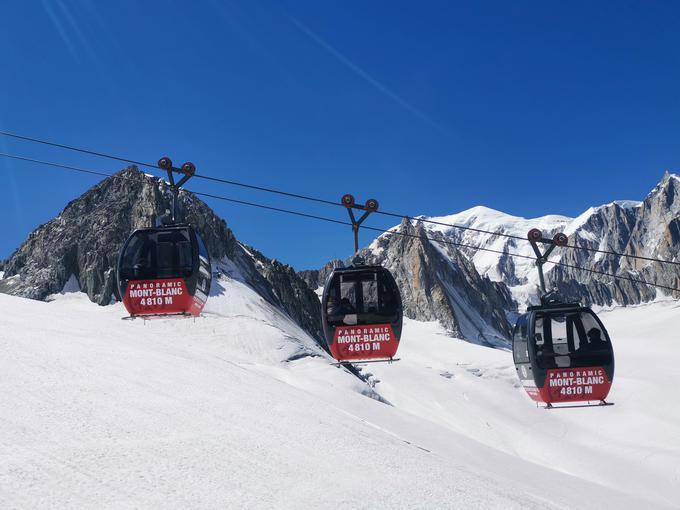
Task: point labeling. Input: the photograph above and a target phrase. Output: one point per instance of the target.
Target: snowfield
(241, 409)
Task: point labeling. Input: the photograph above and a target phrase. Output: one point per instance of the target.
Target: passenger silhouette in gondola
(595, 341)
(333, 307)
(595, 349)
(349, 312)
(346, 306)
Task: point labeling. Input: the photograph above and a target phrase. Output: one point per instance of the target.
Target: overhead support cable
(322, 200)
(346, 223)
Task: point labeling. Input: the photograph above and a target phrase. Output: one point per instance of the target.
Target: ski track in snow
(97, 412)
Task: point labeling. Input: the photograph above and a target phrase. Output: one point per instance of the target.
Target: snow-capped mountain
(607, 227)
(469, 291)
(649, 228)
(83, 243)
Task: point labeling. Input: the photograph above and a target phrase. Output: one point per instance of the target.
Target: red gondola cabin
(164, 271)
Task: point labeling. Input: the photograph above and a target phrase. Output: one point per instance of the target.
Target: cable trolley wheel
(535, 235)
(560, 239)
(347, 200)
(164, 271)
(371, 205)
(165, 163)
(189, 168)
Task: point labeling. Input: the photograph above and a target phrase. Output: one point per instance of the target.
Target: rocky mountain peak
(84, 241)
(85, 238)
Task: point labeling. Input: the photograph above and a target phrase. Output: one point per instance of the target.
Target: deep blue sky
(431, 107)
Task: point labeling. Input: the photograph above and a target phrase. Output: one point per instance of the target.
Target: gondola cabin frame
(164, 271)
(563, 353)
(362, 313)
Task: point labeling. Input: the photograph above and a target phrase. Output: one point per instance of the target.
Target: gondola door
(522, 358)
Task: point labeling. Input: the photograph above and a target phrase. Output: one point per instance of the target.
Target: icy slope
(99, 412)
(633, 446)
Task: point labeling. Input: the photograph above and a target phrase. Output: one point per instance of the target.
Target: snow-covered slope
(519, 273)
(633, 445)
(227, 412)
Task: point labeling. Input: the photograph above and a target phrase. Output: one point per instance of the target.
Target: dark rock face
(656, 234)
(439, 283)
(315, 278)
(608, 228)
(292, 292)
(86, 238)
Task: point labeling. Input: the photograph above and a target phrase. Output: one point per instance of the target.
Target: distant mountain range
(473, 294)
(465, 288)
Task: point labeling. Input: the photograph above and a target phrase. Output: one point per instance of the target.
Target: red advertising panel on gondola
(161, 297)
(375, 341)
(575, 384)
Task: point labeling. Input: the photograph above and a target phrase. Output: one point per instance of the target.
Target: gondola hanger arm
(350, 204)
(535, 236)
(188, 170)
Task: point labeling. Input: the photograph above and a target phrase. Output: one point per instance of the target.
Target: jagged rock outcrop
(86, 238)
(437, 283)
(657, 235)
(316, 278)
(301, 303)
(608, 228)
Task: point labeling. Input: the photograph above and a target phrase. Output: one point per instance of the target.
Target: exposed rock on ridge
(85, 239)
(316, 278)
(437, 283)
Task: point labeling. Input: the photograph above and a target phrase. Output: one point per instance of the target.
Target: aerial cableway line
(322, 200)
(340, 222)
